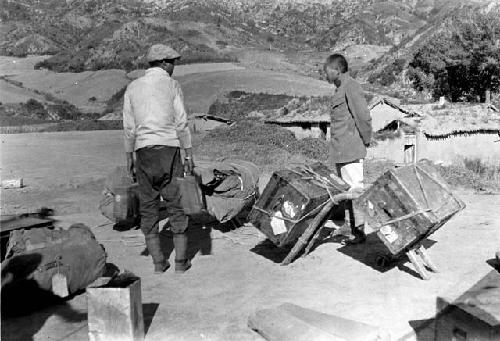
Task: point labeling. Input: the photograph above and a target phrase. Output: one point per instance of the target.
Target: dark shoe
(354, 239)
(161, 267)
(182, 266)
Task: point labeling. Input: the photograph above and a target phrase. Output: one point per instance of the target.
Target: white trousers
(352, 173)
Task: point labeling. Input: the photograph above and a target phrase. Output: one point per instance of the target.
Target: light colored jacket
(154, 112)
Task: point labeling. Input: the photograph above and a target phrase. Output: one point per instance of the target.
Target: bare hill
(98, 34)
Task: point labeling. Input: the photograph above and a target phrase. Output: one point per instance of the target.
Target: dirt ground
(235, 272)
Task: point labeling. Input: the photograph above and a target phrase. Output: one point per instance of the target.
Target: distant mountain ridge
(100, 34)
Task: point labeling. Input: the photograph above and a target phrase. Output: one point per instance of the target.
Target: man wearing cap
(156, 128)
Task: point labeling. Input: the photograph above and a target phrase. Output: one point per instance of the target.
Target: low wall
(482, 146)
(446, 151)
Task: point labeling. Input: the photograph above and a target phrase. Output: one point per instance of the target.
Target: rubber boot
(182, 264)
(154, 248)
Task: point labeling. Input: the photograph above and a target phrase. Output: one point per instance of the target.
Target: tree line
(461, 62)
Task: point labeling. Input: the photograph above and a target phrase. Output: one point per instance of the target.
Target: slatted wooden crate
(407, 204)
(291, 199)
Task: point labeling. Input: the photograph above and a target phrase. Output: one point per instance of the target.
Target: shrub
(85, 125)
(312, 148)
(389, 73)
(33, 105)
(256, 133)
(115, 101)
(65, 110)
(459, 175)
(274, 137)
(475, 165)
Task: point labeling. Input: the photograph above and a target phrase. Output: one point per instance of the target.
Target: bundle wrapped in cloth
(229, 186)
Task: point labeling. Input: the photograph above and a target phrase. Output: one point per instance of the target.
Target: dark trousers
(156, 170)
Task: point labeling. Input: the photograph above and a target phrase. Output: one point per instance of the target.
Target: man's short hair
(337, 61)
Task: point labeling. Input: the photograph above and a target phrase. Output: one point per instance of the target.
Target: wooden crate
(407, 204)
(475, 315)
(291, 199)
(115, 310)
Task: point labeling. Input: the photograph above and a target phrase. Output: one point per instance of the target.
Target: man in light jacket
(156, 128)
(351, 132)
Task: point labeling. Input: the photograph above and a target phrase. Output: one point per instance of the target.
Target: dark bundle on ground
(236, 105)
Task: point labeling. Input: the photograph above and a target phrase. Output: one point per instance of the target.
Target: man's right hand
(131, 166)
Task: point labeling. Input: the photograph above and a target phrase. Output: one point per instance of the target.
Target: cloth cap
(160, 52)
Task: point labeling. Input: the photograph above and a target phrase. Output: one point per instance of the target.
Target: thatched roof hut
(450, 120)
(386, 112)
(204, 122)
(312, 110)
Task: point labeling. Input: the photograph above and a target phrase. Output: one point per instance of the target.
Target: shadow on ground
(267, 249)
(148, 311)
(493, 262)
(199, 234)
(23, 299)
(199, 239)
(374, 254)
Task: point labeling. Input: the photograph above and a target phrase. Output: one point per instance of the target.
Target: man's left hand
(131, 166)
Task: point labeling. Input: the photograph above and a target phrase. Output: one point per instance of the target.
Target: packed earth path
(234, 272)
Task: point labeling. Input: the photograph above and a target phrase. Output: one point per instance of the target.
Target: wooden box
(407, 204)
(475, 315)
(115, 310)
(291, 199)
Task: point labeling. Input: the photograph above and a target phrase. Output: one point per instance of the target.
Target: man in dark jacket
(351, 131)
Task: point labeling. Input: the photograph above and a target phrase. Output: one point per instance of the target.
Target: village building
(205, 122)
(455, 132)
(316, 125)
(444, 134)
(385, 111)
(305, 118)
(311, 118)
